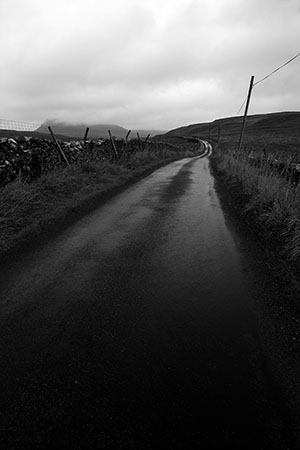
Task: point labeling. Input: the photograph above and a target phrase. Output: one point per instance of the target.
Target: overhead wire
(241, 107)
(269, 75)
(277, 69)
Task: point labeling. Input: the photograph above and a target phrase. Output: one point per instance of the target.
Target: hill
(272, 124)
(95, 131)
(78, 131)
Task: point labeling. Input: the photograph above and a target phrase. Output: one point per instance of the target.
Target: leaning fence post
(127, 135)
(85, 135)
(58, 146)
(113, 144)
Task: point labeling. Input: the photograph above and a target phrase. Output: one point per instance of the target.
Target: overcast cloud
(146, 64)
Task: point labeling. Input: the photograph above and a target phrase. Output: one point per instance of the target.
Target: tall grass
(272, 201)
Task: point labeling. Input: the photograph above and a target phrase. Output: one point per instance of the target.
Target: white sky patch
(157, 64)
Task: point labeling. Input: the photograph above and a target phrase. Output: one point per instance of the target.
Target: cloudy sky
(148, 63)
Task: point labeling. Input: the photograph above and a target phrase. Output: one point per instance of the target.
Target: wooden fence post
(85, 135)
(127, 135)
(113, 144)
(58, 146)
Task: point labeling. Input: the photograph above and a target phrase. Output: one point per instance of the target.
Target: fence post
(58, 146)
(85, 135)
(127, 135)
(113, 144)
(245, 114)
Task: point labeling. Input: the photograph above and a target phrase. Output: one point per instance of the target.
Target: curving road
(134, 329)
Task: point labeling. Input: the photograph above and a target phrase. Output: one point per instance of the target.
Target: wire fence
(27, 158)
(18, 126)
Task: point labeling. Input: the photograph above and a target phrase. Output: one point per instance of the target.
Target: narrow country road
(134, 329)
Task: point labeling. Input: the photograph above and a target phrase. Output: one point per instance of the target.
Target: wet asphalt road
(135, 330)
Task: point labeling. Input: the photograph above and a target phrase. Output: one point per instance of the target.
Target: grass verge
(271, 204)
(33, 213)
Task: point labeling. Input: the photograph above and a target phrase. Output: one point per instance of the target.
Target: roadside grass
(270, 201)
(29, 210)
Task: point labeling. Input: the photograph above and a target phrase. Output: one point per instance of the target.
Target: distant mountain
(95, 131)
(78, 131)
(272, 124)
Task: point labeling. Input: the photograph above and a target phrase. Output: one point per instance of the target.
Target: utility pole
(245, 114)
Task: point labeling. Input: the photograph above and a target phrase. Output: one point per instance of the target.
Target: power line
(278, 68)
(269, 75)
(241, 107)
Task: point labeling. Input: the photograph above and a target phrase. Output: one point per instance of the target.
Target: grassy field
(30, 211)
(271, 201)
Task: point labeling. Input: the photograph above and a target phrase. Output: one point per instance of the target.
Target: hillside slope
(272, 124)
